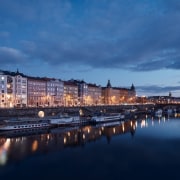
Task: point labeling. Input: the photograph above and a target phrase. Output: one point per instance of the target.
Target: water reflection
(3, 150)
(15, 145)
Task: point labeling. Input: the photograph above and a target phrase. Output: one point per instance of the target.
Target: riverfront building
(70, 93)
(94, 95)
(45, 92)
(36, 92)
(13, 89)
(88, 94)
(116, 95)
(7, 90)
(19, 90)
(54, 92)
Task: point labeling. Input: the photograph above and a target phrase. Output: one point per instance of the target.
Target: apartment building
(7, 90)
(36, 93)
(70, 93)
(55, 92)
(20, 90)
(117, 95)
(94, 95)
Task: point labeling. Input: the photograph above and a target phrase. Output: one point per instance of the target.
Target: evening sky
(125, 41)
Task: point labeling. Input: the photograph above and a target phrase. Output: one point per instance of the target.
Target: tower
(108, 84)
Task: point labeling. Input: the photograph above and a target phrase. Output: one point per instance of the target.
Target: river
(145, 148)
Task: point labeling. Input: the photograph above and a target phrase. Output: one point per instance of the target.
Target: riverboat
(158, 113)
(109, 124)
(24, 124)
(107, 118)
(64, 120)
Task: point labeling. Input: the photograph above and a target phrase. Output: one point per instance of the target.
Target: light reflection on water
(146, 147)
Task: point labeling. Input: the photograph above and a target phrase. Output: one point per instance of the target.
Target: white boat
(109, 124)
(64, 120)
(24, 124)
(107, 118)
(158, 113)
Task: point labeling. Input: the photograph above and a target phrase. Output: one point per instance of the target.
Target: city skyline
(122, 41)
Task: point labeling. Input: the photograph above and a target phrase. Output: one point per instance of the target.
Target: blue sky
(126, 41)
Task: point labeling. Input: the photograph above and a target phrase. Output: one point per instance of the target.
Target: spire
(132, 87)
(17, 72)
(170, 94)
(108, 84)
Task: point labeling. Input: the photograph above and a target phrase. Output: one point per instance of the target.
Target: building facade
(82, 92)
(7, 90)
(20, 91)
(36, 92)
(116, 95)
(70, 93)
(94, 95)
(55, 92)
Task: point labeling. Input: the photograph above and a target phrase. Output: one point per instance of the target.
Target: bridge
(168, 106)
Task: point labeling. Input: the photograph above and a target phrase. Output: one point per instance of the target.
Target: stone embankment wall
(52, 111)
(33, 112)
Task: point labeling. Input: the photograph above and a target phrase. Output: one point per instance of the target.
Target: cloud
(158, 90)
(137, 36)
(11, 56)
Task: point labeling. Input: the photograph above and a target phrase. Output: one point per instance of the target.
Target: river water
(145, 148)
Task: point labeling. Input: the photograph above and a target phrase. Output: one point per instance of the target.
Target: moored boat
(107, 118)
(158, 113)
(24, 124)
(64, 120)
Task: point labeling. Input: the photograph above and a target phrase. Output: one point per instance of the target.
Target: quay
(53, 111)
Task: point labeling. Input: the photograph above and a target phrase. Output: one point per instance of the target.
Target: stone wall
(51, 111)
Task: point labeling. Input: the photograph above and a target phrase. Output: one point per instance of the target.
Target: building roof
(12, 73)
(69, 83)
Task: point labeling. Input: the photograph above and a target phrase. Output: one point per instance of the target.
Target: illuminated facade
(116, 95)
(70, 93)
(36, 92)
(20, 91)
(94, 95)
(55, 92)
(82, 92)
(7, 90)
(13, 89)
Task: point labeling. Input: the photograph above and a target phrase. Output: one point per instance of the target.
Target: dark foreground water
(135, 149)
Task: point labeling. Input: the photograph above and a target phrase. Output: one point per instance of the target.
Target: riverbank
(52, 111)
